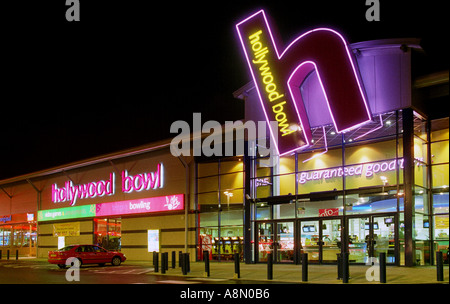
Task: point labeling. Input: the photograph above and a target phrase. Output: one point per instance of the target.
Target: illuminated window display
(220, 199)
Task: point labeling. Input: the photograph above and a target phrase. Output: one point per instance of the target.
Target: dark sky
(128, 69)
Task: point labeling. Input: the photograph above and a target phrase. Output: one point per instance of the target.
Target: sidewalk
(317, 274)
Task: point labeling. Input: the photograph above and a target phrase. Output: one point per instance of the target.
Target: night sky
(120, 76)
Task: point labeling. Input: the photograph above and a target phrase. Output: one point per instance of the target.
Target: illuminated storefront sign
(328, 212)
(144, 205)
(367, 170)
(278, 77)
(153, 240)
(144, 181)
(71, 192)
(66, 213)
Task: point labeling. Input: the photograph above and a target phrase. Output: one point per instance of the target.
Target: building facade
(381, 187)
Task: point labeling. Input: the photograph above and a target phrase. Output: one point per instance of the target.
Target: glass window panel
(420, 174)
(370, 152)
(439, 152)
(208, 184)
(333, 158)
(208, 219)
(439, 134)
(231, 166)
(441, 233)
(208, 198)
(440, 176)
(440, 202)
(230, 197)
(207, 169)
(420, 149)
(306, 208)
(286, 184)
(371, 203)
(284, 211)
(231, 181)
(263, 211)
(287, 164)
(231, 217)
(421, 200)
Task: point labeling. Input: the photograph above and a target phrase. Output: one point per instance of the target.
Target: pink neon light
(367, 170)
(373, 130)
(145, 205)
(295, 54)
(71, 192)
(143, 181)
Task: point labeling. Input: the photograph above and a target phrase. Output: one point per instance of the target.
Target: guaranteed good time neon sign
(278, 77)
(144, 181)
(367, 170)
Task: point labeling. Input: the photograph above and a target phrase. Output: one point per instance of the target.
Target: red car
(86, 254)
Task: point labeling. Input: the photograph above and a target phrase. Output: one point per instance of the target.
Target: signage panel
(144, 205)
(66, 213)
(278, 75)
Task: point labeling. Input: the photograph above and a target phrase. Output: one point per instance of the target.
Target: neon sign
(139, 182)
(367, 170)
(144, 181)
(145, 205)
(71, 192)
(278, 77)
(66, 213)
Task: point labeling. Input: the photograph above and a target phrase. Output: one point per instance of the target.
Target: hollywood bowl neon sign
(139, 182)
(279, 75)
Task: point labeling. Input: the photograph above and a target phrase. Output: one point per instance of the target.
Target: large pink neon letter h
(278, 77)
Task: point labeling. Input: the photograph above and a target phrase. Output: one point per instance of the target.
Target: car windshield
(67, 248)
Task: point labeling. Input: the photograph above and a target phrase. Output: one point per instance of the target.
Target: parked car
(86, 254)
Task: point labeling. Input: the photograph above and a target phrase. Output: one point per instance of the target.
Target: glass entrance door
(284, 245)
(276, 238)
(370, 235)
(265, 240)
(321, 239)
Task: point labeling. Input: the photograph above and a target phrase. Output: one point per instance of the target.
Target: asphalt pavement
(39, 271)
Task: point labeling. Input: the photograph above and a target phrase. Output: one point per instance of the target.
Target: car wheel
(62, 266)
(116, 261)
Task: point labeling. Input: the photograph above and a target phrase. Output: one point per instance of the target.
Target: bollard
(183, 264)
(345, 268)
(179, 259)
(0, 254)
(304, 267)
(237, 269)
(156, 261)
(339, 266)
(206, 260)
(439, 266)
(167, 260)
(269, 266)
(188, 260)
(17, 254)
(174, 254)
(7, 254)
(382, 263)
(163, 263)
